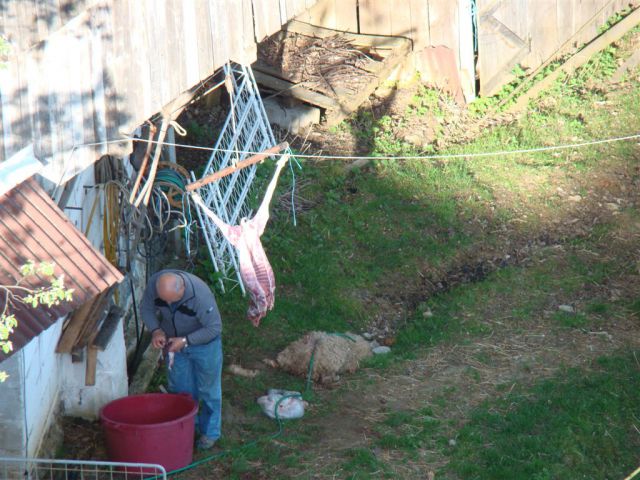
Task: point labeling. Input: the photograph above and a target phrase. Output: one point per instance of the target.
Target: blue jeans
(197, 370)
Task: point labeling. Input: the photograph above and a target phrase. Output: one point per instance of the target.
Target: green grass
(577, 425)
(370, 236)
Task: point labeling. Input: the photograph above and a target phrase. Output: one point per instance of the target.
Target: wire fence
(47, 469)
(245, 129)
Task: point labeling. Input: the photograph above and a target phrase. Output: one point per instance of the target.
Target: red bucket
(151, 428)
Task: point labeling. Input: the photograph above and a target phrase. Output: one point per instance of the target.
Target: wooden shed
(472, 45)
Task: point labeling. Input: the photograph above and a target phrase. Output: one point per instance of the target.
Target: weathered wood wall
(445, 24)
(84, 71)
(509, 32)
(523, 32)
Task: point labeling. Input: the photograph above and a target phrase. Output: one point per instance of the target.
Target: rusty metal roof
(32, 227)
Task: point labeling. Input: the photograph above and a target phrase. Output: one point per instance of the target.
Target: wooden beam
(82, 323)
(108, 328)
(92, 365)
(630, 63)
(75, 326)
(361, 39)
(233, 168)
(293, 89)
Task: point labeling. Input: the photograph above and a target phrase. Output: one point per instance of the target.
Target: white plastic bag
(290, 404)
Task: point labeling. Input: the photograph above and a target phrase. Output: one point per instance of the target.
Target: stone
(367, 335)
(575, 198)
(296, 118)
(381, 350)
(566, 308)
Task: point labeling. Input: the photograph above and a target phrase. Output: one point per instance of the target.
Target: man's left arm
(211, 325)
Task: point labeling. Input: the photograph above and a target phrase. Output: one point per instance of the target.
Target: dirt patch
(458, 378)
(83, 439)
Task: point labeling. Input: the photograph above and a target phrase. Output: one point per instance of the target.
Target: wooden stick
(143, 165)
(92, 364)
(145, 191)
(233, 168)
(108, 328)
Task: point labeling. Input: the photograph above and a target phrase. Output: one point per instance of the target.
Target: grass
(574, 426)
(375, 236)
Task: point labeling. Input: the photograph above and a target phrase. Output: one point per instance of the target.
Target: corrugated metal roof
(32, 227)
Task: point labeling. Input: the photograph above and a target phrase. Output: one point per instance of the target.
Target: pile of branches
(331, 65)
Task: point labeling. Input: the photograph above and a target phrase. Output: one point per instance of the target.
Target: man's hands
(176, 344)
(159, 340)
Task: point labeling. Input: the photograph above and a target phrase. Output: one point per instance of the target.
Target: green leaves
(49, 295)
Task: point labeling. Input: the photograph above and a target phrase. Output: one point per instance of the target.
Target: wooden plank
(392, 61)
(92, 365)
(400, 18)
(323, 14)
(96, 75)
(155, 51)
(108, 328)
(543, 31)
(630, 63)
(294, 90)
(248, 34)
(176, 53)
(75, 326)
(138, 75)
(346, 16)
(352, 102)
(16, 132)
(96, 316)
(294, 7)
(365, 40)
(375, 17)
(258, 157)
(235, 32)
(420, 23)
(219, 34)
(501, 45)
(204, 29)
(189, 43)
(443, 23)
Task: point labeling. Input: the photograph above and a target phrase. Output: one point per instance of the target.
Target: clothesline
(387, 157)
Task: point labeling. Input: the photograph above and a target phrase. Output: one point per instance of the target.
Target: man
(181, 312)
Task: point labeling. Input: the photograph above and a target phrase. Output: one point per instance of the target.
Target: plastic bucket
(151, 428)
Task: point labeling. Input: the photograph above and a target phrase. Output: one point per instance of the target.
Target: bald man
(181, 312)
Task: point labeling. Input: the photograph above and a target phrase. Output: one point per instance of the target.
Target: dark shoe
(205, 443)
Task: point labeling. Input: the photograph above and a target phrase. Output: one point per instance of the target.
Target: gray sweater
(194, 316)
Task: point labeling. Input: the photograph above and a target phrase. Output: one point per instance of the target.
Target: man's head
(170, 287)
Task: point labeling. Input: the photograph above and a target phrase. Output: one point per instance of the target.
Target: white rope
(390, 157)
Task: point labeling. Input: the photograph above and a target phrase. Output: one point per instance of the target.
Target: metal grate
(46, 469)
(246, 129)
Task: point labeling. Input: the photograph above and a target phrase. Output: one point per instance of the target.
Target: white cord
(388, 157)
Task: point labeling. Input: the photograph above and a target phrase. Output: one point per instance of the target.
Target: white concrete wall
(79, 400)
(12, 414)
(111, 373)
(41, 384)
